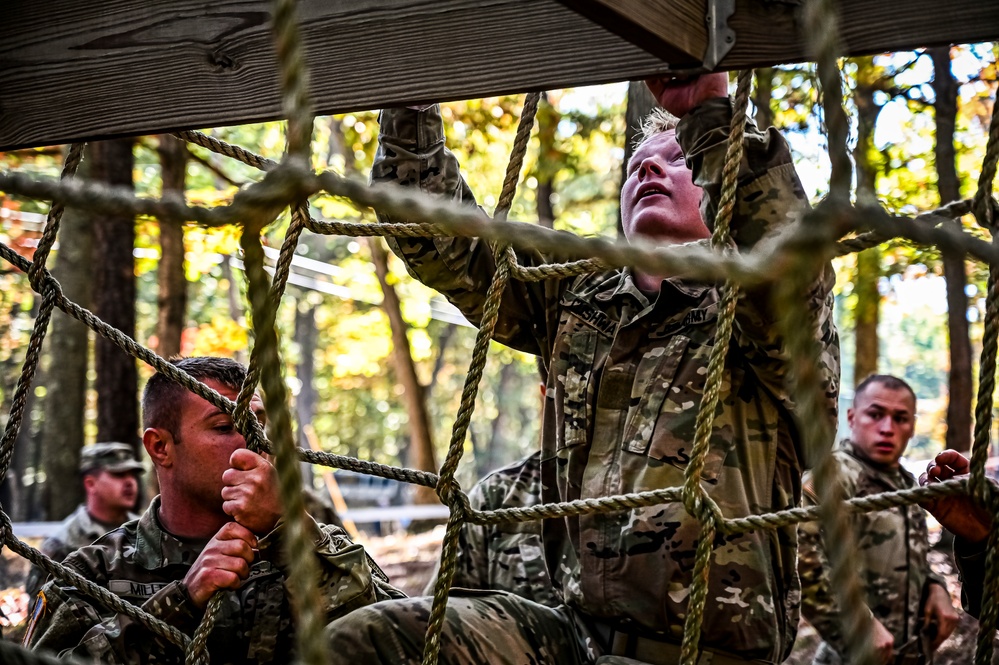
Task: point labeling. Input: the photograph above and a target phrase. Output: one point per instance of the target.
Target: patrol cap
(109, 456)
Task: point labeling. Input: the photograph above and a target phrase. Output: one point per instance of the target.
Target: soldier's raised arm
(768, 197)
(412, 152)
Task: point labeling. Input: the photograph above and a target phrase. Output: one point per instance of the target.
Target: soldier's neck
(650, 285)
(110, 516)
(186, 519)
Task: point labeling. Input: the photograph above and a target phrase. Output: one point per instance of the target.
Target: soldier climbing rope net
(789, 263)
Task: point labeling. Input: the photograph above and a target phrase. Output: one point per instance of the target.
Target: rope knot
(986, 210)
(6, 528)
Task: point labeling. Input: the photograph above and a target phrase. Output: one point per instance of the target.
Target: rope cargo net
(790, 263)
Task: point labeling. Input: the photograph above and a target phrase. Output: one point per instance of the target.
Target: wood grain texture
(673, 30)
(73, 70)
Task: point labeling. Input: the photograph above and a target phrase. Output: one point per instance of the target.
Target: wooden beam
(769, 32)
(72, 70)
(75, 70)
(673, 30)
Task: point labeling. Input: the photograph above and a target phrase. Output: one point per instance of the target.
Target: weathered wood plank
(75, 70)
(770, 32)
(71, 70)
(673, 30)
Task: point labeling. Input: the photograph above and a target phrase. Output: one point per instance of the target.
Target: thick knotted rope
(447, 488)
(695, 500)
(790, 261)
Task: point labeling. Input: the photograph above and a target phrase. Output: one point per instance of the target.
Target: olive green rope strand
(244, 420)
(982, 490)
(447, 488)
(696, 501)
(197, 651)
(41, 282)
(297, 537)
(822, 23)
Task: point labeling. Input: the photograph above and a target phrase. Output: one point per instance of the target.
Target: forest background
(375, 360)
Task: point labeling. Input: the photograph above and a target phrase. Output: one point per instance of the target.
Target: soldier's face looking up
(882, 421)
(203, 444)
(659, 200)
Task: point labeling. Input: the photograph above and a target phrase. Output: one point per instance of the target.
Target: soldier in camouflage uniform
(110, 482)
(627, 355)
(214, 528)
(508, 556)
(902, 593)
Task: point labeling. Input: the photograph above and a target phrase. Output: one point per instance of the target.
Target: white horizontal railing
(356, 515)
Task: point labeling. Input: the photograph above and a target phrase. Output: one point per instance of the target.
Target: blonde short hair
(657, 122)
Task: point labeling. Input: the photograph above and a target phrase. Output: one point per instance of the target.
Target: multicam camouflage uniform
(626, 376)
(892, 546)
(76, 531)
(144, 564)
(505, 557)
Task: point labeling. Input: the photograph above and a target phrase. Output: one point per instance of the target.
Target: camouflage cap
(109, 456)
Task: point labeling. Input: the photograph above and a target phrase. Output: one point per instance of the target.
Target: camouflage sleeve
(818, 602)
(67, 623)
(471, 570)
(970, 559)
(53, 548)
(411, 152)
(347, 576)
(769, 194)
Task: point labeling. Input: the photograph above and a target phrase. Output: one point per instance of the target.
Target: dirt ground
(409, 561)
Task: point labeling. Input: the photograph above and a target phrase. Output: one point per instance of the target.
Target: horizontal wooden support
(73, 70)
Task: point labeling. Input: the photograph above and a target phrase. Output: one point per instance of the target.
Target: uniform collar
(155, 547)
(672, 288)
(899, 477)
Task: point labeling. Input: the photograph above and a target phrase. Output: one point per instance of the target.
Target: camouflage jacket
(145, 565)
(506, 557)
(626, 377)
(76, 531)
(892, 548)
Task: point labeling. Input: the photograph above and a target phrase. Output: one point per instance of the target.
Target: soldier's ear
(159, 445)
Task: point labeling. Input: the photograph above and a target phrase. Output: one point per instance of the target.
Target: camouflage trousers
(480, 627)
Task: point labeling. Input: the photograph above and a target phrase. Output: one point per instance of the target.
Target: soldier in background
(911, 607)
(507, 556)
(627, 354)
(111, 484)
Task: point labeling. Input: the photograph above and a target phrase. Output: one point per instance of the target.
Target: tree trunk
(114, 299)
(64, 405)
(305, 401)
(421, 445)
(959, 421)
(171, 272)
(24, 466)
(868, 271)
(762, 96)
(548, 162)
(442, 342)
(640, 104)
(491, 456)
